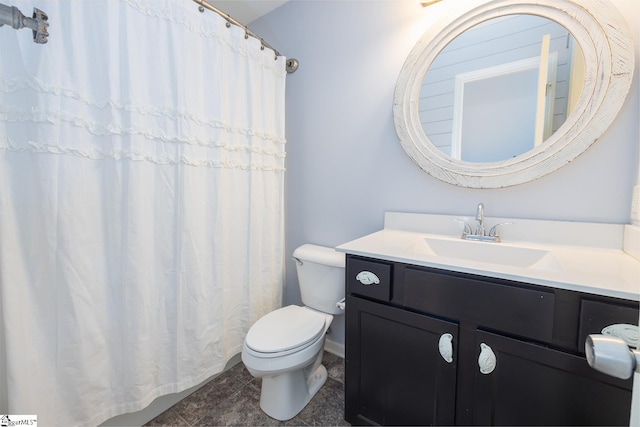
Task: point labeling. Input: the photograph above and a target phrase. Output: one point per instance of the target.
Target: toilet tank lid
(320, 255)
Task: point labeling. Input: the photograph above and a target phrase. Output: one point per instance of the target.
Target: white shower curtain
(141, 204)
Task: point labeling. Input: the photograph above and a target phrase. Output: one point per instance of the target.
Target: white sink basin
(489, 252)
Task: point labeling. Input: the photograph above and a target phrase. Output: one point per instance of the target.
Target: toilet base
(284, 396)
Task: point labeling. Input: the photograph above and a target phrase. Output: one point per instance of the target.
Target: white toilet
(285, 347)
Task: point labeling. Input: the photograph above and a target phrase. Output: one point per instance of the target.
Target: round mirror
(508, 91)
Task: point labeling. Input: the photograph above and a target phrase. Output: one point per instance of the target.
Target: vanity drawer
(596, 315)
(369, 278)
(482, 302)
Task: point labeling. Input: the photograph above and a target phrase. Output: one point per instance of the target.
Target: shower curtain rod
(292, 64)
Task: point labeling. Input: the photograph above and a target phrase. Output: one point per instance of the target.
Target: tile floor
(233, 399)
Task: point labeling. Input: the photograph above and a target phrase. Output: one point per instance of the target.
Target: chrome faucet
(480, 219)
(480, 233)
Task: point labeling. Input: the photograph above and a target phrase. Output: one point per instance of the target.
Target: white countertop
(587, 257)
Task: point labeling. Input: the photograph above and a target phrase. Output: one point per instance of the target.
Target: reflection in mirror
(602, 38)
(501, 88)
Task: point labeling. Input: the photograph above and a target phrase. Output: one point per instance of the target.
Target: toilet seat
(286, 330)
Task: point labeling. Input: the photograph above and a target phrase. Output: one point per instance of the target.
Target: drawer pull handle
(487, 359)
(367, 278)
(445, 345)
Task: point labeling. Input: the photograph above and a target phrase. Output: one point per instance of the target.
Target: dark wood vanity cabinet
(537, 385)
(396, 375)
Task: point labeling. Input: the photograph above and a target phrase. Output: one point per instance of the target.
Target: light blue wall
(345, 165)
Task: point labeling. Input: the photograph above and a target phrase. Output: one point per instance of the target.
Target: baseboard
(334, 348)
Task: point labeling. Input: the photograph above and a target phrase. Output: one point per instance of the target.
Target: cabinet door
(395, 372)
(535, 385)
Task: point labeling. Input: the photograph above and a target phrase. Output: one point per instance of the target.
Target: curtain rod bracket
(292, 65)
(12, 16)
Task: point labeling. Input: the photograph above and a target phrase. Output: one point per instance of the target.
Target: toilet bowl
(285, 347)
(291, 375)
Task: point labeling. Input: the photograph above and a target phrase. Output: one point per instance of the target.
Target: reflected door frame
(523, 65)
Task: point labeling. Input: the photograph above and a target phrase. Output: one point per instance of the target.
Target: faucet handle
(494, 230)
(467, 228)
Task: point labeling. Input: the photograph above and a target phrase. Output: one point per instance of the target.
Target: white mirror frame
(609, 62)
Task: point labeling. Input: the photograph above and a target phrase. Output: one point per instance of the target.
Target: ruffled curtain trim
(34, 83)
(97, 153)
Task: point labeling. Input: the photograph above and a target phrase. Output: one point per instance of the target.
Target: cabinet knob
(445, 345)
(367, 278)
(487, 359)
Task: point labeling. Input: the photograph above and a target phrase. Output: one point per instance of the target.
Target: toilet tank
(320, 277)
